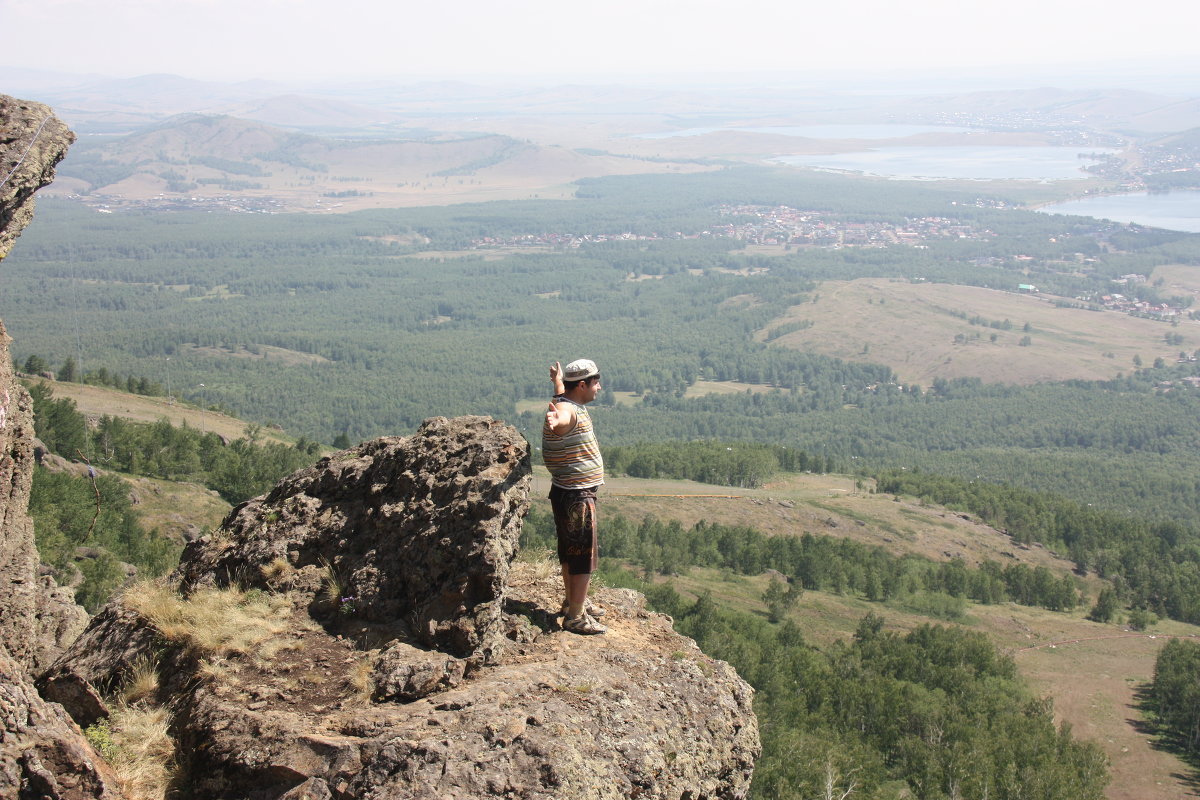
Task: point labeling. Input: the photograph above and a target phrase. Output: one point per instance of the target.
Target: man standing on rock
(572, 455)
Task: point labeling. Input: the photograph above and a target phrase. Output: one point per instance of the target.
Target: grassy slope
(912, 327)
(97, 401)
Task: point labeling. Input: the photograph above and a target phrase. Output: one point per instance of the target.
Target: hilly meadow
(920, 461)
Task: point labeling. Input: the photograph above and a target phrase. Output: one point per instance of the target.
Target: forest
(1174, 695)
(350, 326)
(935, 713)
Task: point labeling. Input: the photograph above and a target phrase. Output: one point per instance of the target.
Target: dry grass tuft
(135, 740)
(360, 680)
(142, 683)
(331, 584)
(212, 621)
(277, 570)
(536, 564)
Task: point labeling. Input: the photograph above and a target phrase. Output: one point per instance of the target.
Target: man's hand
(556, 379)
(560, 420)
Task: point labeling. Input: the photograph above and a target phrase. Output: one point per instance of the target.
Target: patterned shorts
(575, 521)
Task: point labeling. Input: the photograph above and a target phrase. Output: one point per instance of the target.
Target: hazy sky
(281, 39)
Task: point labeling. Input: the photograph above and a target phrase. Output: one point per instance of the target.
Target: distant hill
(300, 111)
(1115, 109)
(244, 164)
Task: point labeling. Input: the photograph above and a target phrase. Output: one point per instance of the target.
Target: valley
(998, 409)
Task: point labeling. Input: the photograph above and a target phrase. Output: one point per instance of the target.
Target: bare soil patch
(701, 388)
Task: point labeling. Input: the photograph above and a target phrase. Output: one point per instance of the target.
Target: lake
(1175, 211)
(969, 162)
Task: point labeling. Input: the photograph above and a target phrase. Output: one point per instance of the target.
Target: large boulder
(437, 669)
(420, 529)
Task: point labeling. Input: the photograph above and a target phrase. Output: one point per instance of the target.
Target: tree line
(825, 563)
(1153, 565)
(741, 464)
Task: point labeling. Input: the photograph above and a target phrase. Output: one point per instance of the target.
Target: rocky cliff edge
(366, 631)
(42, 753)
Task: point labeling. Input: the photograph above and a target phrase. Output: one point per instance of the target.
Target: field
(180, 510)
(912, 327)
(96, 401)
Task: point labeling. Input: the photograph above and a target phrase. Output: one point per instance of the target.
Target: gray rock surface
(420, 529)
(448, 676)
(42, 752)
(35, 616)
(32, 142)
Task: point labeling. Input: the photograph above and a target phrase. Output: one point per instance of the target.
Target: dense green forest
(935, 713)
(358, 325)
(1174, 695)
(732, 463)
(1154, 565)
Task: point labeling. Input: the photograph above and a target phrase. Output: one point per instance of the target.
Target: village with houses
(773, 225)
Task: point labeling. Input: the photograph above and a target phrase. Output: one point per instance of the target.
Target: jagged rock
(32, 142)
(411, 694)
(18, 555)
(421, 529)
(98, 662)
(60, 621)
(42, 753)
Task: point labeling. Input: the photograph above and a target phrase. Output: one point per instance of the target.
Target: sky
(614, 40)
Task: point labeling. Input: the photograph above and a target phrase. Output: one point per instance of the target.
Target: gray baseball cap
(580, 369)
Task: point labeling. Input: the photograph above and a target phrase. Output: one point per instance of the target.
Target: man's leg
(577, 589)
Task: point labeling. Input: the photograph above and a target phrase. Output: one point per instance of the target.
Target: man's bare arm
(556, 379)
(560, 418)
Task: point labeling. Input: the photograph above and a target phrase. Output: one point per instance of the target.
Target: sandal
(583, 624)
(588, 607)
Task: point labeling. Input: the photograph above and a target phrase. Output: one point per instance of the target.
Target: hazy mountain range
(92, 103)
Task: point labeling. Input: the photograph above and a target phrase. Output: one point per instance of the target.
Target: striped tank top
(574, 458)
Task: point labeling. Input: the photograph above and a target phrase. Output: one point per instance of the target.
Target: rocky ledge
(42, 753)
(365, 630)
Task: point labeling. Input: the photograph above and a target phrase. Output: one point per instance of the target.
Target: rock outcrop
(32, 142)
(409, 655)
(42, 753)
(33, 619)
